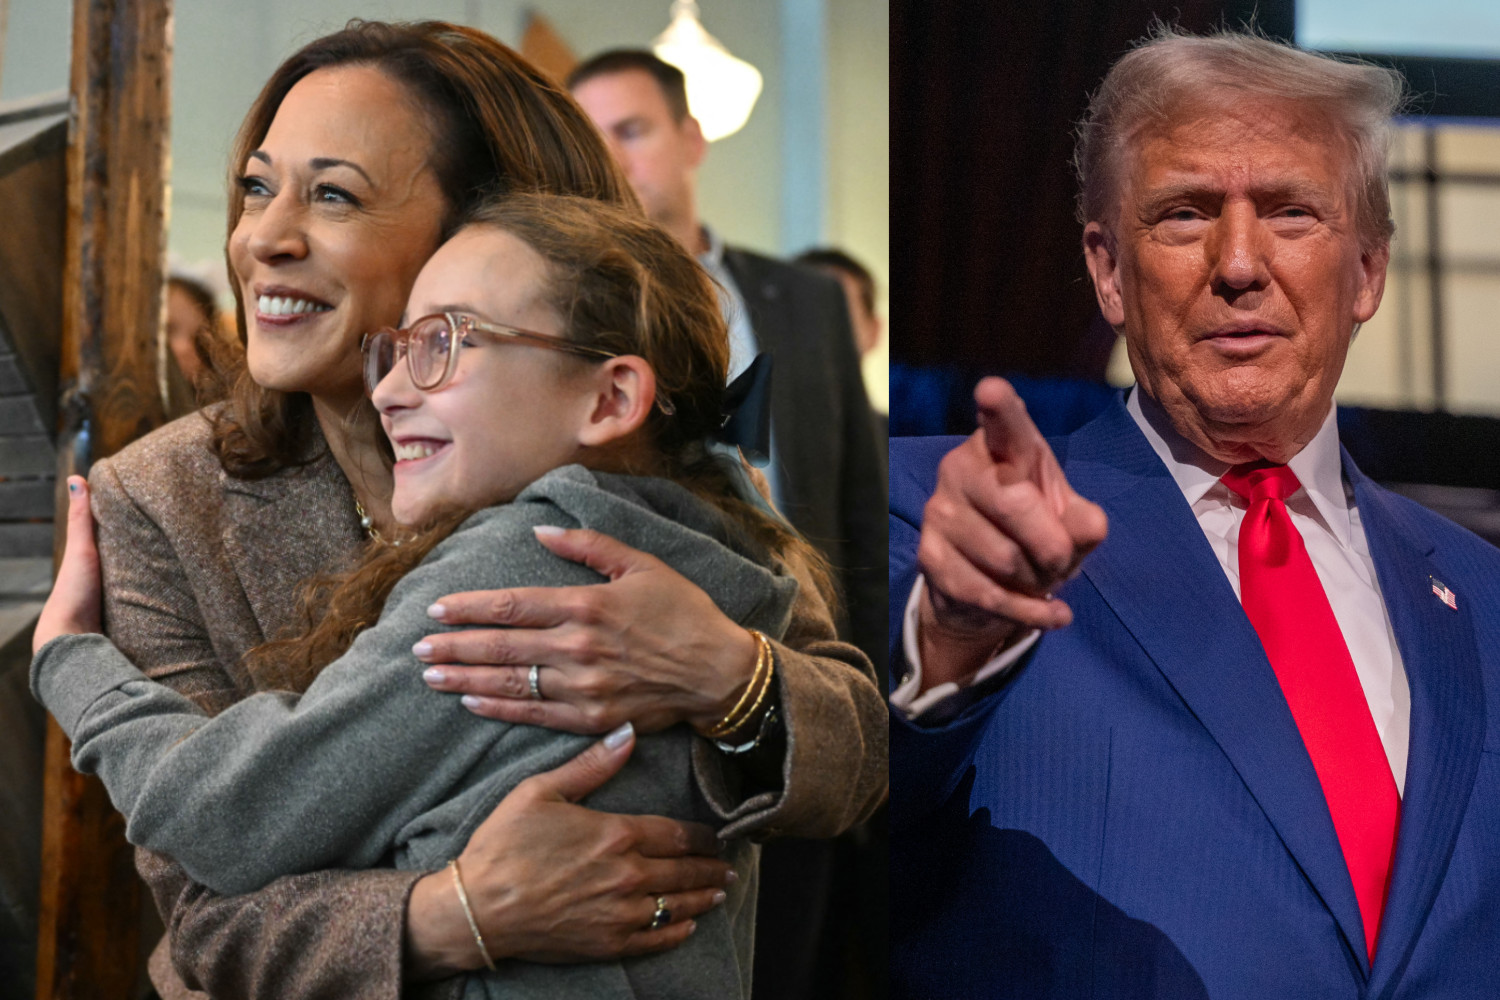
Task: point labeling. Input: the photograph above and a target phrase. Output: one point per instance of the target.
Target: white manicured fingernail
(433, 675)
(469, 701)
(436, 611)
(619, 737)
(719, 897)
(548, 530)
(421, 649)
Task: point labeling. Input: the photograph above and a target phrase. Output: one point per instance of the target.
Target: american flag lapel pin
(1441, 592)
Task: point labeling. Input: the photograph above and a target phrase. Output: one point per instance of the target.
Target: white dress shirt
(1324, 513)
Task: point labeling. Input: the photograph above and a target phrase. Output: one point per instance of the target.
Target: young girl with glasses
(563, 365)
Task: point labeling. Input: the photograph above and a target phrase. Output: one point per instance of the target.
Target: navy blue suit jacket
(1132, 813)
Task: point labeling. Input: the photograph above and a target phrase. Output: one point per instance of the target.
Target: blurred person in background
(192, 328)
(859, 292)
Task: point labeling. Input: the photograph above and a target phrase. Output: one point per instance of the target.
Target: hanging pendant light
(721, 89)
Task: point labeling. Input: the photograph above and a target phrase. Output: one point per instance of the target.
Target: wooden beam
(115, 251)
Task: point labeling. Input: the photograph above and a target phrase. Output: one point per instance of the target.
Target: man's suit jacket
(1132, 813)
(834, 481)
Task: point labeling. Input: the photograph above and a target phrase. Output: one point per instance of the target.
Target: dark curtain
(984, 97)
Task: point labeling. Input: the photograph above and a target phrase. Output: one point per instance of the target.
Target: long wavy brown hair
(621, 284)
(498, 125)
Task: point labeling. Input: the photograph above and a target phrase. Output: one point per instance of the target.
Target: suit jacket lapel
(1441, 660)
(281, 530)
(792, 379)
(1159, 575)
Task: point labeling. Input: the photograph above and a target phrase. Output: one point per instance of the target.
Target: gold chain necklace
(368, 524)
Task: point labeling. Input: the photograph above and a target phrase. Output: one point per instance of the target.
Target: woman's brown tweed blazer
(200, 567)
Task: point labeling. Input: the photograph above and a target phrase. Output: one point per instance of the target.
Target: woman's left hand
(648, 647)
(73, 606)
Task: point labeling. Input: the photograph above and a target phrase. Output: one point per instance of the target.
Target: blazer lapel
(282, 530)
(1441, 660)
(1159, 575)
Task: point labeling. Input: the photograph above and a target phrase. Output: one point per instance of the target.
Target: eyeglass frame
(462, 325)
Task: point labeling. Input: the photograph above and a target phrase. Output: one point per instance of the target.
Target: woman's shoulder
(175, 461)
(178, 462)
(184, 442)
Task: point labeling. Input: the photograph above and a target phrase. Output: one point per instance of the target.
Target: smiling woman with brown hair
(359, 156)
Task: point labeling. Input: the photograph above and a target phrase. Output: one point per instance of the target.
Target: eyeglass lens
(380, 354)
(427, 351)
(427, 346)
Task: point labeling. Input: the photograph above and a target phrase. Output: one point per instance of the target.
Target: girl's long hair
(498, 125)
(621, 284)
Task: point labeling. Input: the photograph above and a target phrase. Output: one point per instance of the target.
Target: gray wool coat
(368, 765)
(199, 567)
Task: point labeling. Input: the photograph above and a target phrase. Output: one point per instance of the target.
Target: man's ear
(625, 392)
(692, 134)
(1372, 270)
(1099, 252)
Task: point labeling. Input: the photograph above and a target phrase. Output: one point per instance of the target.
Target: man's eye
(1182, 215)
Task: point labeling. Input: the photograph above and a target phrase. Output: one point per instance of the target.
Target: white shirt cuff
(906, 698)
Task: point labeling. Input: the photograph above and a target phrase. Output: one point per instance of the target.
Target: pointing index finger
(1009, 433)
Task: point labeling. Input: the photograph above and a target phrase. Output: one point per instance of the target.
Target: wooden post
(116, 246)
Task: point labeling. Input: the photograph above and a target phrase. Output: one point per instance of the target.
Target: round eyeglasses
(431, 346)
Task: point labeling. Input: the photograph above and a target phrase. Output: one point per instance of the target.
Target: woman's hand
(649, 647)
(550, 881)
(73, 606)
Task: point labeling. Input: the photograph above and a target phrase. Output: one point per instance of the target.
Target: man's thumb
(590, 769)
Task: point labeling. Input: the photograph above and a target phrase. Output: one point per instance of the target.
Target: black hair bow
(747, 412)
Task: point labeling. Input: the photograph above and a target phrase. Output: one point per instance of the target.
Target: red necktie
(1285, 602)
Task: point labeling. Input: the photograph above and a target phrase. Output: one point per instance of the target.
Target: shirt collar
(713, 257)
(1318, 466)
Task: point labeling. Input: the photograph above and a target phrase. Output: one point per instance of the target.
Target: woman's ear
(625, 392)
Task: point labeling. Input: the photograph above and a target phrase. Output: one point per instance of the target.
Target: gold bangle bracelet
(463, 899)
(725, 724)
(760, 699)
(762, 660)
(755, 691)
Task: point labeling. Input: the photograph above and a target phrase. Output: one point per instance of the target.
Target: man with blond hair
(1187, 706)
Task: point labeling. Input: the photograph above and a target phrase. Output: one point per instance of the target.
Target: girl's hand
(648, 647)
(73, 606)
